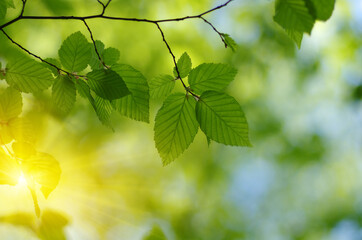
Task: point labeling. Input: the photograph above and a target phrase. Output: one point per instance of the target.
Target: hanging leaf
(63, 93)
(322, 9)
(211, 76)
(135, 105)
(75, 52)
(161, 86)
(9, 169)
(103, 109)
(10, 104)
(229, 42)
(107, 84)
(175, 126)
(28, 76)
(184, 66)
(222, 119)
(294, 15)
(110, 56)
(43, 169)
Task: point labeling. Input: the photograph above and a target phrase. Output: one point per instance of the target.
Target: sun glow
(22, 181)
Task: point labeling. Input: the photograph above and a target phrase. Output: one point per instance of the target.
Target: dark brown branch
(174, 61)
(94, 44)
(220, 35)
(101, 15)
(113, 18)
(36, 56)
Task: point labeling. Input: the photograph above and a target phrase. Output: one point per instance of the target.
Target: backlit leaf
(9, 169)
(222, 119)
(11, 104)
(161, 86)
(107, 84)
(44, 169)
(103, 109)
(55, 63)
(175, 126)
(110, 56)
(156, 233)
(23, 149)
(21, 129)
(75, 52)
(293, 15)
(27, 75)
(184, 65)
(3, 8)
(323, 9)
(211, 76)
(229, 42)
(94, 62)
(135, 105)
(63, 93)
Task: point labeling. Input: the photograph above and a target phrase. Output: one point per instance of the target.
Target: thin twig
(174, 61)
(94, 44)
(220, 34)
(101, 15)
(32, 54)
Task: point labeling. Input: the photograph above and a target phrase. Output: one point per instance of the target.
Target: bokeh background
(302, 179)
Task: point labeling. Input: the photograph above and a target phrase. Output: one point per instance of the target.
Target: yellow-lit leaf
(9, 169)
(23, 150)
(22, 130)
(5, 134)
(44, 170)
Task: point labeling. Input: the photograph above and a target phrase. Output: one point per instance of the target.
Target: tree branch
(220, 35)
(102, 16)
(174, 61)
(94, 44)
(36, 56)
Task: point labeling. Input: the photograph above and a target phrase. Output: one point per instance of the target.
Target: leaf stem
(35, 200)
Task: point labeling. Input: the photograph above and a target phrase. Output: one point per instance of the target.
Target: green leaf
(296, 36)
(10, 3)
(9, 169)
(222, 119)
(23, 149)
(52, 226)
(94, 62)
(156, 233)
(19, 219)
(3, 9)
(21, 129)
(83, 89)
(103, 109)
(175, 126)
(5, 134)
(184, 65)
(51, 68)
(27, 75)
(135, 105)
(75, 52)
(161, 86)
(322, 9)
(11, 104)
(44, 169)
(229, 42)
(110, 56)
(107, 84)
(63, 93)
(211, 76)
(293, 15)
